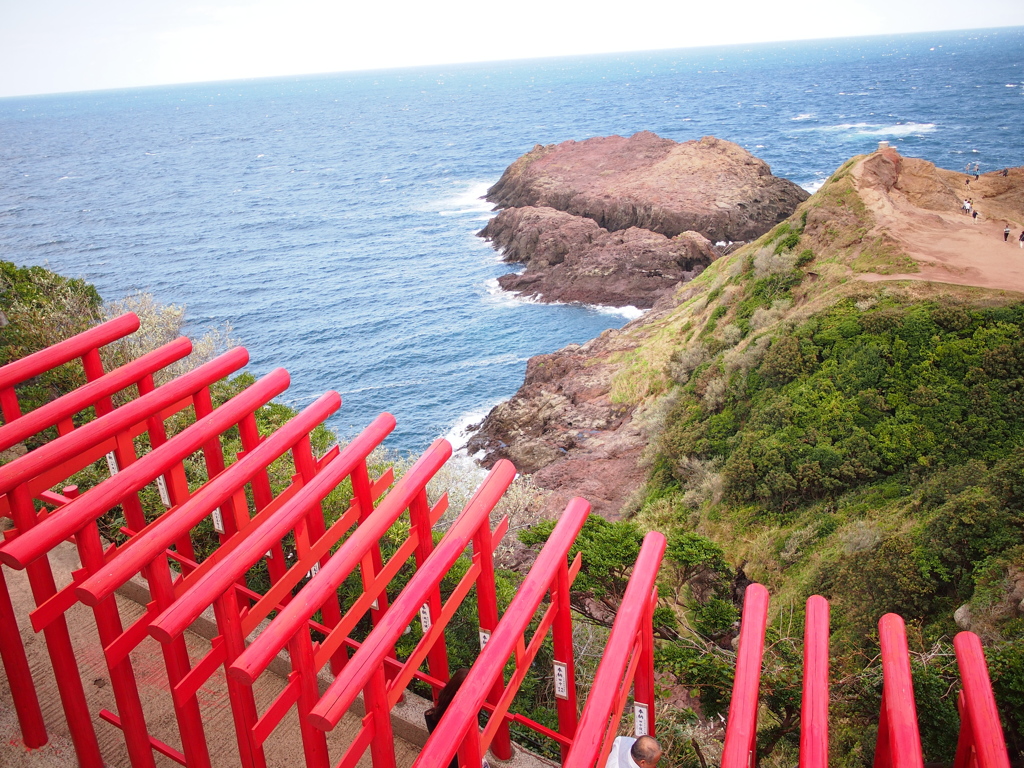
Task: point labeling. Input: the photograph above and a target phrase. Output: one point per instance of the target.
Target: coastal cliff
(832, 409)
(585, 415)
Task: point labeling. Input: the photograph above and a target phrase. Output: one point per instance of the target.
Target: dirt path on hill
(950, 246)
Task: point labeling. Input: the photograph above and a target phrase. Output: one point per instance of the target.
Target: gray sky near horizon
(56, 46)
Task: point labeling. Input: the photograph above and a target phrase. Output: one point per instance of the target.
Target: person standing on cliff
(974, 217)
(1006, 233)
(1020, 240)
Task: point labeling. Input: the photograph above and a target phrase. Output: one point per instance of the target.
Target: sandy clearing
(950, 246)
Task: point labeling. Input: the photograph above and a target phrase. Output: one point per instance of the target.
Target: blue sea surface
(330, 219)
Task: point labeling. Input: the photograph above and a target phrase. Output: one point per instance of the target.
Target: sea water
(331, 219)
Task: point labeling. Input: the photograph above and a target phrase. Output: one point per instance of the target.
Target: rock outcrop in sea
(622, 221)
(570, 258)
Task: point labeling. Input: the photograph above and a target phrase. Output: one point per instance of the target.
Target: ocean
(331, 219)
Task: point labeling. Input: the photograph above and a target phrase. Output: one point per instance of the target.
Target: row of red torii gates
(311, 623)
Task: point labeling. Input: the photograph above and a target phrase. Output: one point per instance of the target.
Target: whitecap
(394, 385)
(879, 129)
(509, 358)
(814, 186)
(803, 116)
(629, 312)
(469, 200)
(462, 430)
(496, 294)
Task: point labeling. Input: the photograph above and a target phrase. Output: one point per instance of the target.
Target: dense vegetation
(39, 308)
(860, 441)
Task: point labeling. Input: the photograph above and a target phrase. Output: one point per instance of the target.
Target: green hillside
(859, 440)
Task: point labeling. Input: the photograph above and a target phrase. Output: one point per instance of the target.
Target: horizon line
(475, 62)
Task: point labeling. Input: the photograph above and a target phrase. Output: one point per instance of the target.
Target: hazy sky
(52, 46)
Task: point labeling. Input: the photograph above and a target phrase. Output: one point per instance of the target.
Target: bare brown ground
(922, 214)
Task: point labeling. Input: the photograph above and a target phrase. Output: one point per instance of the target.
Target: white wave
(803, 116)
(395, 385)
(486, 362)
(878, 129)
(469, 200)
(497, 294)
(628, 312)
(1011, 85)
(464, 428)
(814, 186)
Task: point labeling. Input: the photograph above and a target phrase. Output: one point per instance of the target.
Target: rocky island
(622, 221)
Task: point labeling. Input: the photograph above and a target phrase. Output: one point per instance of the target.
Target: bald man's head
(646, 752)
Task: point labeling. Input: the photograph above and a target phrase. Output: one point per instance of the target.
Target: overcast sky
(54, 46)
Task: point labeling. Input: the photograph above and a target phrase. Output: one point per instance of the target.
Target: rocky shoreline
(619, 222)
(572, 259)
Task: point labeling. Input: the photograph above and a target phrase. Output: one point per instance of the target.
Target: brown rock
(709, 186)
(570, 258)
(562, 427)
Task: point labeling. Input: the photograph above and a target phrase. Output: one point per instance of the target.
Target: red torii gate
(29, 549)
(147, 550)
(245, 540)
(628, 660)
(12, 652)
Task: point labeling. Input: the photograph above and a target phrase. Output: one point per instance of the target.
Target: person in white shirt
(628, 752)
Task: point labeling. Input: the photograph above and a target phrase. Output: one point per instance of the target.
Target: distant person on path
(1006, 233)
(1020, 240)
(444, 699)
(966, 207)
(628, 752)
(1006, 171)
(974, 217)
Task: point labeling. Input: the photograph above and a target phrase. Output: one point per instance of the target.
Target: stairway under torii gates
(308, 552)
